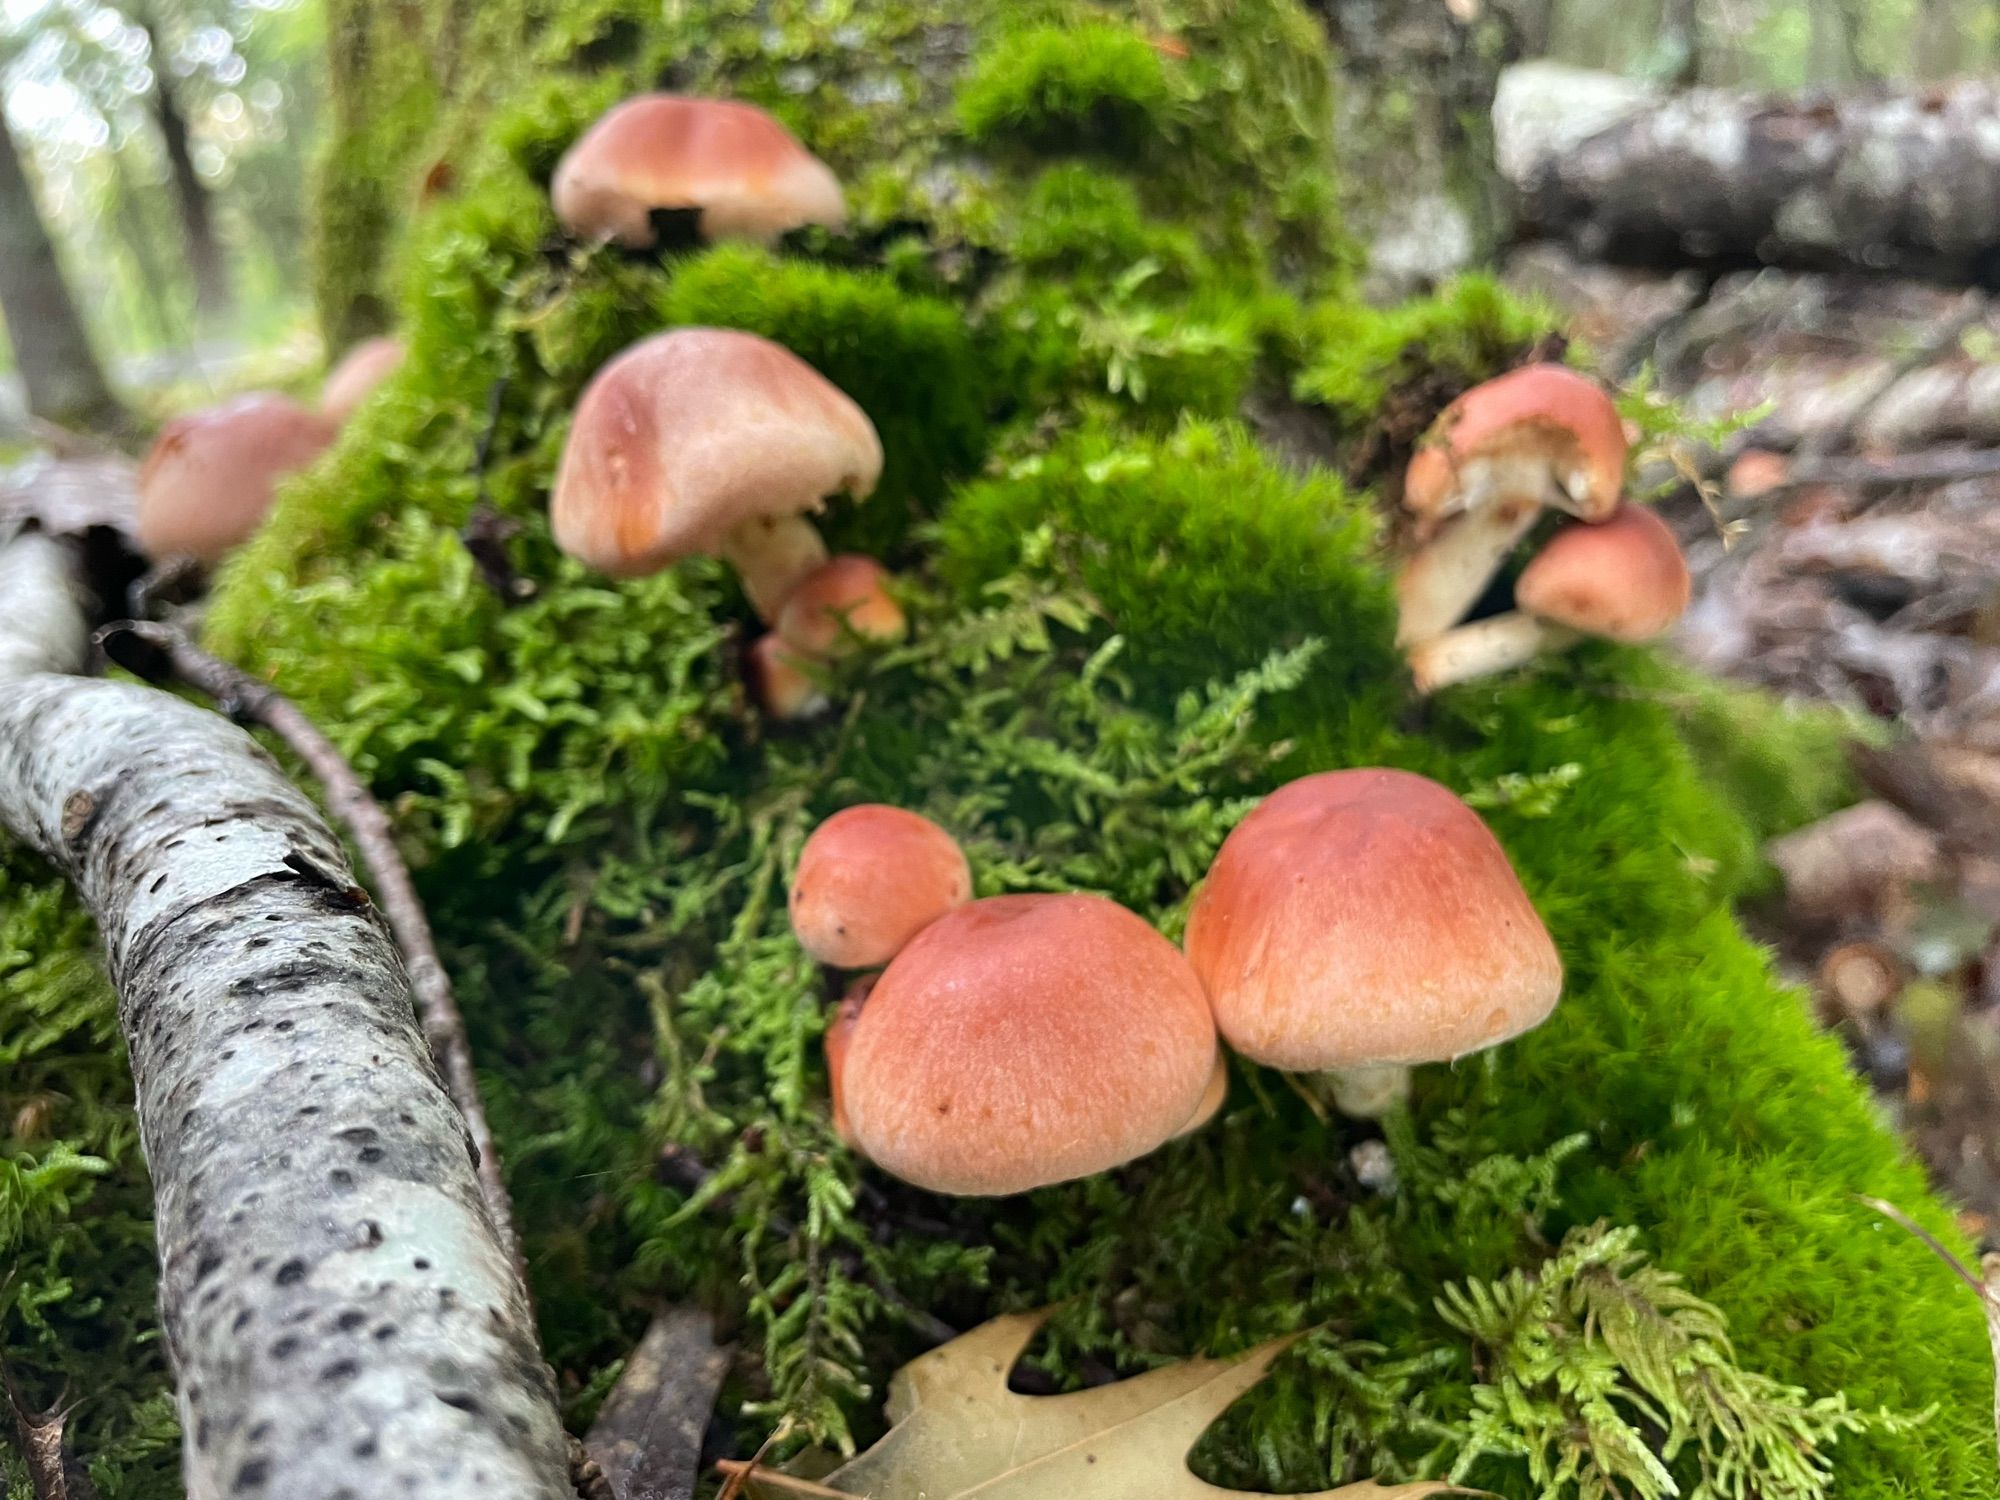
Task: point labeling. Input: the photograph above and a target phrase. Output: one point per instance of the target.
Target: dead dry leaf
(960, 1434)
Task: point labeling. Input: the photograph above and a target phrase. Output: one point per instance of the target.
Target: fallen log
(339, 1308)
(1878, 182)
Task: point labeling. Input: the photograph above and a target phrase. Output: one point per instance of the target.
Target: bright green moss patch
(1096, 86)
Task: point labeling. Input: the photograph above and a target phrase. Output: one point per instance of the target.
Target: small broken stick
(647, 1439)
(1985, 1287)
(53, 1469)
(249, 701)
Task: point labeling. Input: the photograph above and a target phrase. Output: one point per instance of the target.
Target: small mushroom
(842, 604)
(1622, 580)
(744, 173)
(869, 879)
(1025, 1040)
(782, 681)
(709, 441)
(1538, 436)
(354, 379)
(206, 486)
(839, 1032)
(1360, 922)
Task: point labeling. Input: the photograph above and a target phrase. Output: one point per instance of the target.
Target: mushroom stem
(1369, 1091)
(771, 555)
(1481, 649)
(1446, 575)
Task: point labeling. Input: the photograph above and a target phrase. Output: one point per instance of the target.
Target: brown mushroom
(709, 441)
(843, 603)
(207, 484)
(747, 176)
(839, 1032)
(1621, 580)
(1025, 1040)
(1212, 1098)
(1538, 436)
(869, 879)
(782, 681)
(1360, 922)
(354, 379)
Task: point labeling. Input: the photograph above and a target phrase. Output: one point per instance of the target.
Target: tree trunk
(1420, 191)
(51, 350)
(1886, 183)
(1677, 56)
(193, 201)
(338, 1308)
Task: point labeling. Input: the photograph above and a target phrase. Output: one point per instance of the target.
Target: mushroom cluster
(1536, 439)
(1355, 924)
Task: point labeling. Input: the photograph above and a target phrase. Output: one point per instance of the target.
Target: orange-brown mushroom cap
(1025, 1040)
(1543, 426)
(207, 483)
(1368, 917)
(781, 681)
(869, 879)
(839, 1032)
(354, 379)
(844, 601)
(1624, 578)
(748, 175)
(689, 435)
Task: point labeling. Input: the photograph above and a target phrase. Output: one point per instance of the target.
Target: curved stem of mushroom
(1369, 1091)
(771, 556)
(1497, 644)
(1446, 575)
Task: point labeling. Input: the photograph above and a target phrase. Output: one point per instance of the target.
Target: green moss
(1096, 86)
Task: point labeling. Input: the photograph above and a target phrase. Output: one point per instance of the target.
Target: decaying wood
(246, 699)
(1877, 182)
(341, 1313)
(53, 1470)
(647, 1439)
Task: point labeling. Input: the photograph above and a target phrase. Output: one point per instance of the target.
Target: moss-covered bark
(1085, 241)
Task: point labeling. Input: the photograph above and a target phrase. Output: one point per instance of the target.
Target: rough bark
(1898, 183)
(63, 380)
(338, 1307)
(193, 202)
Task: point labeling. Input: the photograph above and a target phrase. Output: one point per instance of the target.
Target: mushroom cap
(780, 682)
(746, 173)
(1025, 1040)
(839, 1032)
(207, 483)
(1212, 1098)
(354, 379)
(844, 600)
(689, 434)
(1368, 916)
(869, 879)
(1543, 426)
(1623, 578)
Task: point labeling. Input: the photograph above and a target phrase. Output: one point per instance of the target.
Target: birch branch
(341, 1313)
(245, 699)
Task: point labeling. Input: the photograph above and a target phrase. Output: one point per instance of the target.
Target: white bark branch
(340, 1312)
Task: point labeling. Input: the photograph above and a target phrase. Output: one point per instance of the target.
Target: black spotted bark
(340, 1311)
(1901, 183)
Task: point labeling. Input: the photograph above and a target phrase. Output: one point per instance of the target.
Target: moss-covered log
(341, 1315)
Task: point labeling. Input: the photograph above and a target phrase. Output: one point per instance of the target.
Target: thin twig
(247, 700)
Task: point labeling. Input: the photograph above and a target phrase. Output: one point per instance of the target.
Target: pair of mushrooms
(1355, 924)
(1539, 437)
(208, 481)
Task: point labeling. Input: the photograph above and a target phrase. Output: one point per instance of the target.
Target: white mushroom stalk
(772, 556)
(1485, 648)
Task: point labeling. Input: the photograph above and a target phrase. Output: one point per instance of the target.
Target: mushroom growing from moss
(1623, 580)
(709, 441)
(782, 680)
(354, 379)
(843, 603)
(1360, 922)
(1026, 1040)
(1212, 1098)
(869, 879)
(839, 1032)
(745, 174)
(1541, 436)
(207, 484)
